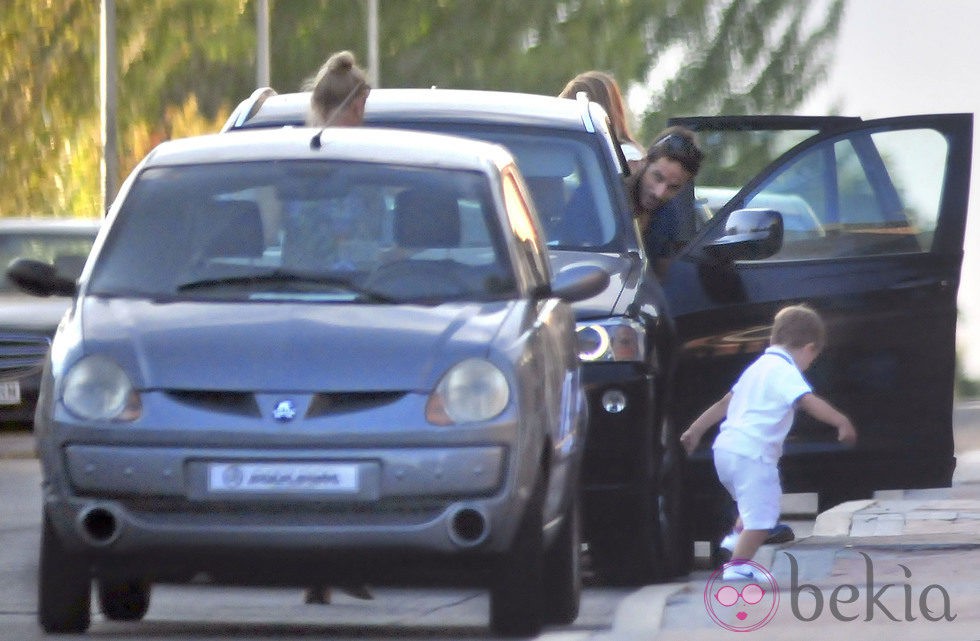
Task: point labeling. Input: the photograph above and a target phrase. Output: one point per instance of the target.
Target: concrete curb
(837, 520)
(640, 615)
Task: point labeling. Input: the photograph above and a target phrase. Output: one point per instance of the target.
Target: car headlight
(613, 339)
(472, 390)
(96, 388)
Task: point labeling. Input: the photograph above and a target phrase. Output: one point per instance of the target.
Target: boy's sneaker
(782, 533)
(728, 543)
(723, 554)
(740, 572)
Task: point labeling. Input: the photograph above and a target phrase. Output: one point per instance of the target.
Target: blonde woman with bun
(339, 92)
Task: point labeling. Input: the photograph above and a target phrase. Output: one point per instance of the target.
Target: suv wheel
(675, 527)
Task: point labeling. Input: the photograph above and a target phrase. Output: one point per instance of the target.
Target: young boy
(756, 416)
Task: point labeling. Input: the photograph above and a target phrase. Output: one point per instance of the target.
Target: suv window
(567, 182)
(832, 209)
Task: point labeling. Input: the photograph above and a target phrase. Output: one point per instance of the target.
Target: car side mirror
(579, 281)
(39, 278)
(750, 234)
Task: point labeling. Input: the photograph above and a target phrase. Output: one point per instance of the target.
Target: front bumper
(130, 500)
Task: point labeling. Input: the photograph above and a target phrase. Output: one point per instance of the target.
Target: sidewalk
(899, 566)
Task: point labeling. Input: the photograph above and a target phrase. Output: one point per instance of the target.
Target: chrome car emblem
(285, 411)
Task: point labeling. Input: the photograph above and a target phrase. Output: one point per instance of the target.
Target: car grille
(22, 354)
(323, 404)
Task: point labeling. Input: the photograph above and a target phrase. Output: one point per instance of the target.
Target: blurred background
(182, 65)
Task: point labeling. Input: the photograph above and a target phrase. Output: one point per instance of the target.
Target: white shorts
(754, 484)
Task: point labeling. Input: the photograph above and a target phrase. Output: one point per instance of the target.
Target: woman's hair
(796, 326)
(602, 88)
(338, 82)
(679, 144)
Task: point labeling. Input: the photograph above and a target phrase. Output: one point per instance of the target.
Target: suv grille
(22, 353)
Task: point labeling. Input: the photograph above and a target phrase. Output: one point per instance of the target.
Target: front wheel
(64, 586)
(517, 590)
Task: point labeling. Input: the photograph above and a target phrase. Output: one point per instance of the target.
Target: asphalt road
(199, 613)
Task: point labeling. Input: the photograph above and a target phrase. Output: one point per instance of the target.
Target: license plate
(300, 478)
(9, 392)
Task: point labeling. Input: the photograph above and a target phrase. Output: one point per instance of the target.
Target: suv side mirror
(39, 278)
(750, 234)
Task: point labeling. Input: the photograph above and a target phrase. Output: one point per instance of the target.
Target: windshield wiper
(285, 276)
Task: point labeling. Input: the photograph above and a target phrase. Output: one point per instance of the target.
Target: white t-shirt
(761, 410)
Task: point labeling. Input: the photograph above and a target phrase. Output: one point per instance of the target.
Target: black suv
(863, 220)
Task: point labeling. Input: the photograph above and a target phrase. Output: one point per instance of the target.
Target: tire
(64, 591)
(123, 600)
(517, 590)
(676, 536)
(626, 549)
(563, 570)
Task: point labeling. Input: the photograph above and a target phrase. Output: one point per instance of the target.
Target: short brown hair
(798, 325)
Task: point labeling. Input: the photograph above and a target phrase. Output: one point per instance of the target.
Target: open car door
(869, 232)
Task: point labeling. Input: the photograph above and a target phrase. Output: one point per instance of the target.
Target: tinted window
(567, 180)
(306, 231)
(859, 196)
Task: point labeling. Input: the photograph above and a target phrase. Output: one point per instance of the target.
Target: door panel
(874, 215)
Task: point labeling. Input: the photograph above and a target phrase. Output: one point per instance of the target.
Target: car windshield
(567, 182)
(67, 252)
(306, 231)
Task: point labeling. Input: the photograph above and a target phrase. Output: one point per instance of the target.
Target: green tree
(183, 64)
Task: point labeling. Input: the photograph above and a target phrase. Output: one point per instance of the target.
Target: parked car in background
(863, 220)
(26, 322)
(305, 356)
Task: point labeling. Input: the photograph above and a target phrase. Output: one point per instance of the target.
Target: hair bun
(342, 61)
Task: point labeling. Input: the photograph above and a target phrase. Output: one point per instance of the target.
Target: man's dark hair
(679, 144)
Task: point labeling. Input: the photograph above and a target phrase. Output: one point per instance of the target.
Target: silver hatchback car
(299, 356)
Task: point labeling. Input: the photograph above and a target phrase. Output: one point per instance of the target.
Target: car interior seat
(427, 218)
(237, 226)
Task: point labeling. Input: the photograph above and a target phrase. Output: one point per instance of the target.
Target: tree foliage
(183, 64)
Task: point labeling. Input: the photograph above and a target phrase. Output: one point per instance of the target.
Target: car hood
(288, 347)
(625, 273)
(22, 312)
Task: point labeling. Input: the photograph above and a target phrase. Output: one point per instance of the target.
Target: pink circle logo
(742, 605)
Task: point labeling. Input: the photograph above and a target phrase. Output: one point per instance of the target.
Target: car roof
(359, 144)
(42, 225)
(266, 108)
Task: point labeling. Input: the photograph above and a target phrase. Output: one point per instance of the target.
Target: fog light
(614, 401)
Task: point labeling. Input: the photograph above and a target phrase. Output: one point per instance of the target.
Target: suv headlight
(472, 390)
(612, 339)
(96, 388)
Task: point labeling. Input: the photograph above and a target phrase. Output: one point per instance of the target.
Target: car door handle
(921, 283)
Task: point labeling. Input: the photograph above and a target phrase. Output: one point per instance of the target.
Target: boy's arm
(711, 416)
(821, 410)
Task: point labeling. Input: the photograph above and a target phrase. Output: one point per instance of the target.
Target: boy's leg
(758, 492)
(749, 542)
